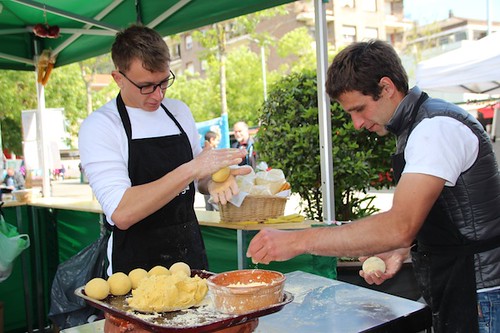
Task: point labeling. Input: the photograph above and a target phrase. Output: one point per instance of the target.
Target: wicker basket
(254, 208)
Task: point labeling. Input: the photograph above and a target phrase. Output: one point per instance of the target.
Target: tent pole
(42, 144)
(324, 116)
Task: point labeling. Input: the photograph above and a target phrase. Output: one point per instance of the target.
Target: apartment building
(347, 21)
(448, 34)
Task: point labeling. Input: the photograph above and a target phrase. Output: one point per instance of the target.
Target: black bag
(67, 309)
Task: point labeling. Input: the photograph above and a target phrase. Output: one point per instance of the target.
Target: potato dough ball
(180, 267)
(221, 175)
(97, 288)
(373, 264)
(119, 284)
(159, 270)
(137, 275)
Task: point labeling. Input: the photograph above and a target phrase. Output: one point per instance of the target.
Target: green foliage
(299, 44)
(201, 95)
(288, 139)
(18, 93)
(244, 85)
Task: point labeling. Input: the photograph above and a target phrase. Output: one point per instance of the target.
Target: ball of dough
(159, 270)
(373, 264)
(137, 275)
(119, 284)
(97, 288)
(221, 175)
(180, 267)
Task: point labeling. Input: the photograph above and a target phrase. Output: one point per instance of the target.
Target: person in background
(446, 205)
(211, 142)
(143, 159)
(13, 180)
(212, 139)
(244, 140)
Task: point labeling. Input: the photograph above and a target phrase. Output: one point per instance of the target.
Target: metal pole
(325, 119)
(264, 77)
(488, 16)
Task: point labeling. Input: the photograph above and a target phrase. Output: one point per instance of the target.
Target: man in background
(244, 140)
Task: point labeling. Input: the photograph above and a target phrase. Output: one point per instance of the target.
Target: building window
(371, 33)
(349, 33)
(190, 67)
(189, 42)
(369, 5)
(204, 65)
(176, 51)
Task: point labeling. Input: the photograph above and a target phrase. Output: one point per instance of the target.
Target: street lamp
(263, 65)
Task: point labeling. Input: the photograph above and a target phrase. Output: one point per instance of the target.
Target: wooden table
(205, 218)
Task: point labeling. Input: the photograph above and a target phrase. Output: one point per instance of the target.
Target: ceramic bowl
(246, 290)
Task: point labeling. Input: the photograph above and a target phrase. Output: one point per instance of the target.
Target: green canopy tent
(86, 29)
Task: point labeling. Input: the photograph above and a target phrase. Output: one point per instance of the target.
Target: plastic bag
(11, 245)
(67, 309)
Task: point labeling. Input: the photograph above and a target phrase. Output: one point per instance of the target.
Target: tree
(298, 43)
(18, 93)
(214, 41)
(201, 95)
(288, 139)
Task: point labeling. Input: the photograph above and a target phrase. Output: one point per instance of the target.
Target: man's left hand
(224, 191)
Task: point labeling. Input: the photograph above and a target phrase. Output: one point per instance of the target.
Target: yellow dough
(221, 175)
(161, 293)
(159, 270)
(180, 267)
(97, 288)
(119, 284)
(373, 264)
(136, 275)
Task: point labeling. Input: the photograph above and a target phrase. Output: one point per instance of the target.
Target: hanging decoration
(45, 65)
(45, 30)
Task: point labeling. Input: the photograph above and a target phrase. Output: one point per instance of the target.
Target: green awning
(87, 28)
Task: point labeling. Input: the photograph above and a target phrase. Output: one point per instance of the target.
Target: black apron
(443, 261)
(172, 233)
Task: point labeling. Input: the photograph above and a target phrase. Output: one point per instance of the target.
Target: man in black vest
(446, 203)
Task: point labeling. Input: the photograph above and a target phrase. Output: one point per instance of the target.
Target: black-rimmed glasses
(151, 88)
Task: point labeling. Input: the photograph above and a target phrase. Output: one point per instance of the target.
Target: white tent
(472, 68)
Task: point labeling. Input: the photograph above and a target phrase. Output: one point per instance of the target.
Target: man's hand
(273, 245)
(210, 160)
(223, 192)
(393, 262)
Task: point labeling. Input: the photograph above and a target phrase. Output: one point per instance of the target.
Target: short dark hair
(210, 135)
(143, 43)
(360, 66)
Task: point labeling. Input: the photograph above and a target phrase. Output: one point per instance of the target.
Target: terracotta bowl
(247, 290)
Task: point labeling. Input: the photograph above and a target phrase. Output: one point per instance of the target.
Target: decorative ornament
(44, 66)
(45, 30)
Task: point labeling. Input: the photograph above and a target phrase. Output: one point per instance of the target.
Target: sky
(426, 11)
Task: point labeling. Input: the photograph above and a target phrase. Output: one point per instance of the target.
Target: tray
(203, 318)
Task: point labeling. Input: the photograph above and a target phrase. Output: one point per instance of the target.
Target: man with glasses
(142, 156)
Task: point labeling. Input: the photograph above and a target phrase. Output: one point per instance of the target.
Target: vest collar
(401, 118)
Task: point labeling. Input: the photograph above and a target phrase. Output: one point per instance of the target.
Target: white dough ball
(119, 284)
(180, 267)
(373, 264)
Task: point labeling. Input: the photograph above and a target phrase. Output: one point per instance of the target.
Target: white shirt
(442, 147)
(103, 145)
